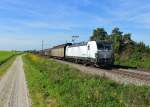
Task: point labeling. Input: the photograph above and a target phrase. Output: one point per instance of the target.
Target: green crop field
(4, 55)
(6, 59)
(52, 84)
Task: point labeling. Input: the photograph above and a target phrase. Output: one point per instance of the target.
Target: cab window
(100, 46)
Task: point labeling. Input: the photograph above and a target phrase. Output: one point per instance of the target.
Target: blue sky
(25, 23)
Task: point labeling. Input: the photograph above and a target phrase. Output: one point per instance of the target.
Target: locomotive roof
(85, 43)
(79, 44)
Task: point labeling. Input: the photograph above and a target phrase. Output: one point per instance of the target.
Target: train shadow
(117, 67)
(123, 67)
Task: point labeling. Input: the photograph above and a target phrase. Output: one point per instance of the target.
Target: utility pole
(42, 46)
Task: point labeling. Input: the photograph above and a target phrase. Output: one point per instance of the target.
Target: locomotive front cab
(104, 55)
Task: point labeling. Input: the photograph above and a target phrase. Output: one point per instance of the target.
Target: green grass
(52, 84)
(6, 65)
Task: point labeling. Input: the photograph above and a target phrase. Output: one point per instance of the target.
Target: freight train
(98, 53)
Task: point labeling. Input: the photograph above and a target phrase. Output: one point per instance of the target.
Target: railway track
(140, 75)
(124, 76)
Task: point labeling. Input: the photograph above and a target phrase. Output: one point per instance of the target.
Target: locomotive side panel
(87, 50)
(92, 49)
(76, 51)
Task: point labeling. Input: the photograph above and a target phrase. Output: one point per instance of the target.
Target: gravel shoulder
(13, 87)
(121, 76)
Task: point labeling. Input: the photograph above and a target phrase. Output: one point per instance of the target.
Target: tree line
(118, 38)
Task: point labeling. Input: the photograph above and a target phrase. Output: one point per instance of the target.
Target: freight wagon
(59, 51)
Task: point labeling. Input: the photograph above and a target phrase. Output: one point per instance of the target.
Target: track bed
(125, 76)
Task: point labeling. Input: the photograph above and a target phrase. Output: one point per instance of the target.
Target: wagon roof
(62, 45)
(59, 46)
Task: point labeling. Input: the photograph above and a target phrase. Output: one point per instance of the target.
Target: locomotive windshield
(100, 46)
(104, 46)
(108, 46)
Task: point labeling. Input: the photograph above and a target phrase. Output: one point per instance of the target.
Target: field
(6, 59)
(52, 84)
(5, 55)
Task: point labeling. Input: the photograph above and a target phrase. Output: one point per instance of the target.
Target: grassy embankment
(6, 59)
(52, 84)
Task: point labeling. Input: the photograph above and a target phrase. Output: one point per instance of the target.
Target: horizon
(24, 24)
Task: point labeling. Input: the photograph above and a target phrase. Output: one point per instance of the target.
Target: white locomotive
(92, 52)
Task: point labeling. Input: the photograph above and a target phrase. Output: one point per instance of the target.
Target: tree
(99, 34)
(127, 38)
(141, 47)
(116, 32)
(116, 37)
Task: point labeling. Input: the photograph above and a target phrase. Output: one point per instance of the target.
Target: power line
(74, 38)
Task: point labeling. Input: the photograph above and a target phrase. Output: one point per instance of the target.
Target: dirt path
(13, 88)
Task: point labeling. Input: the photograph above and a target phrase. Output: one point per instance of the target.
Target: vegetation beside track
(53, 84)
(6, 59)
